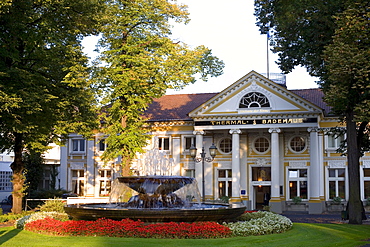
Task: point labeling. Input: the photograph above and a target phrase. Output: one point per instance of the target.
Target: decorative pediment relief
(228, 102)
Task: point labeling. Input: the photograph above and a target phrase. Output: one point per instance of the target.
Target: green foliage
(45, 91)
(53, 206)
(331, 39)
(337, 200)
(44, 194)
(34, 167)
(348, 62)
(47, 194)
(300, 30)
(224, 199)
(11, 216)
(297, 200)
(138, 63)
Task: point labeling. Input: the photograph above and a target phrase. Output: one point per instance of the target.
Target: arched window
(254, 100)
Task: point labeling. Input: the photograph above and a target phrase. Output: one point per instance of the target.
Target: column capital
(235, 131)
(313, 129)
(274, 130)
(198, 132)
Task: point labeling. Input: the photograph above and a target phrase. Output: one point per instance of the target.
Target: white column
(321, 165)
(314, 183)
(198, 166)
(235, 161)
(176, 152)
(63, 176)
(314, 205)
(243, 169)
(275, 164)
(90, 168)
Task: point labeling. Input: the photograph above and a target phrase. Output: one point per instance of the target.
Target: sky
(229, 29)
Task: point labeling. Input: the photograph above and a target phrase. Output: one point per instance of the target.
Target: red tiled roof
(178, 106)
(175, 107)
(315, 96)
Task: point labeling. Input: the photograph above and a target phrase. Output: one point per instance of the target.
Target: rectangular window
(298, 185)
(261, 173)
(367, 189)
(334, 141)
(190, 173)
(105, 182)
(78, 182)
(224, 183)
(164, 143)
(337, 183)
(102, 145)
(78, 145)
(5, 181)
(366, 183)
(189, 141)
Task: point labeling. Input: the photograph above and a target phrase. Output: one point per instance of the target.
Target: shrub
(260, 223)
(20, 223)
(337, 200)
(224, 199)
(297, 200)
(43, 194)
(53, 206)
(11, 216)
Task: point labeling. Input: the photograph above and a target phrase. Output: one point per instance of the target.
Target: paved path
(325, 218)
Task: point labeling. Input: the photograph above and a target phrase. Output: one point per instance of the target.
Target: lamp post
(193, 154)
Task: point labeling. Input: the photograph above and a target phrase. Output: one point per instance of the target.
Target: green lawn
(299, 235)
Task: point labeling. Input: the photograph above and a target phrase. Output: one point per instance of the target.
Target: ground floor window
(298, 183)
(366, 183)
(261, 173)
(78, 182)
(6, 181)
(105, 182)
(190, 173)
(50, 178)
(224, 183)
(337, 187)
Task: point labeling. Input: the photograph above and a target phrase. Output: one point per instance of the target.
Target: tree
(33, 166)
(347, 89)
(139, 62)
(305, 33)
(44, 88)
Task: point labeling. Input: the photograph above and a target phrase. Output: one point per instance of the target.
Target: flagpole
(267, 52)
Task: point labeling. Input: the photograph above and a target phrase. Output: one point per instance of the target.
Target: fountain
(156, 198)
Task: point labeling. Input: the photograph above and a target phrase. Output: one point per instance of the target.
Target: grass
(300, 235)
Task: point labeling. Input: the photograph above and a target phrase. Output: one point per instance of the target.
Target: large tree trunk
(355, 206)
(18, 177)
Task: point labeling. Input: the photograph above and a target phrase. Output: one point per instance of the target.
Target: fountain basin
(155, 199)
(204, 212)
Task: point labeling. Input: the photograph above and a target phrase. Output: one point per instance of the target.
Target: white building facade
(273, 148)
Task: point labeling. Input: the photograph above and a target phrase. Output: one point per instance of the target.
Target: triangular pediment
(280, 101)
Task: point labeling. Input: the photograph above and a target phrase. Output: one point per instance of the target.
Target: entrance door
(262, 196)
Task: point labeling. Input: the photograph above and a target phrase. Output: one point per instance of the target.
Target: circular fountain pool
(155, 199)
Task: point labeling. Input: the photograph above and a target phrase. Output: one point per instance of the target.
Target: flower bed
(129, 228)
(254, 223)
(260, 223)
